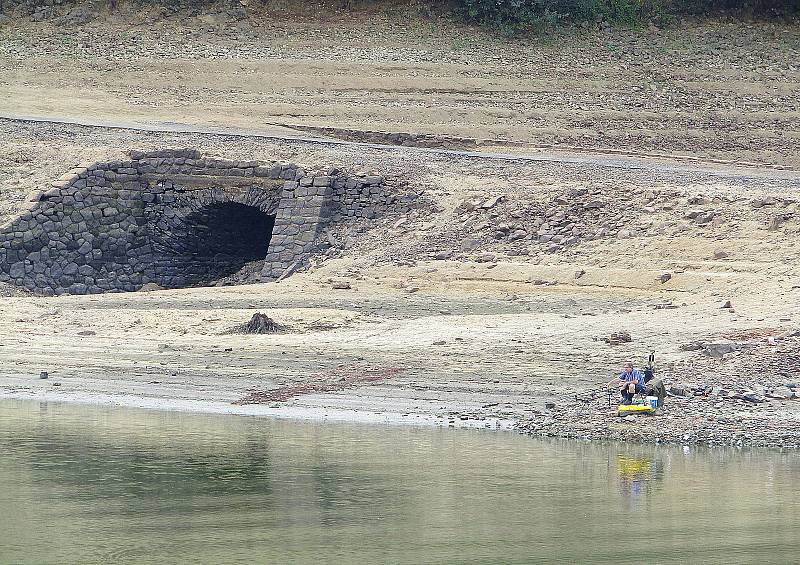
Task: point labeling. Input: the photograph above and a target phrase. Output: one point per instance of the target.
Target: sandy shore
(489, 352)
(311, 414)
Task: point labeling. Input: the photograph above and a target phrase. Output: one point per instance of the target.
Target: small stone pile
(249, 273)
(686, 420)
(531, 222)
(616, 338)
(261, 324)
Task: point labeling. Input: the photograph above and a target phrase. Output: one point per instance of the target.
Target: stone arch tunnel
(222, 237)
(175, 218)
(211, 232)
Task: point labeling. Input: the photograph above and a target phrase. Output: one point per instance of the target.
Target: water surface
(81, 484)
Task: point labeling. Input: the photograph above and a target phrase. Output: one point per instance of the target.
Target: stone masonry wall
(320, 200)
(117, 226)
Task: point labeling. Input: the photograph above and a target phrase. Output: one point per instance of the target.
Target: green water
(101, 485)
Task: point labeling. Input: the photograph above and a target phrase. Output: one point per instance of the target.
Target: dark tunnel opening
(222, 238)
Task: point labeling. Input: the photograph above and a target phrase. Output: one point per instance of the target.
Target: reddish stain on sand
(341, 378)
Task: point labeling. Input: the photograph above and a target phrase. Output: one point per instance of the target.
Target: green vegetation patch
(516, 16)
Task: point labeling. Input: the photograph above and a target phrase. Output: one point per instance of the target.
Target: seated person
(630, 381)
(654, 387)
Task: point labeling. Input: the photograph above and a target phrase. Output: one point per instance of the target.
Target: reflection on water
(101, 485)
(638, 476)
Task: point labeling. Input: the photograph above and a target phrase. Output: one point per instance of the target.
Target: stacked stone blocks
(116, 226)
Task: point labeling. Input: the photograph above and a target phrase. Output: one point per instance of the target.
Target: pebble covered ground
(739, 391)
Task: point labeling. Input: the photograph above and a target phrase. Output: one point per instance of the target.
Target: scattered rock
(150, 287)
(782, 393)
(761, 202)
(341, 285)
(491, 202)
(678, 390)
(727, 304)
(443, 255)
(43, 375)
(469, 244)
(719, 350)
(79, 15)
(753, 397)
(775, 222)
(664, 277)
(517, 235)
(705, 217)
(618, 337)
(262, 324)
(720, 254)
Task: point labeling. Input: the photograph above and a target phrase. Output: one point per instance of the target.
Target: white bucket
(653, 402)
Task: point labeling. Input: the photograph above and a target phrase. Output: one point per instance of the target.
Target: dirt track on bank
(714, 90)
